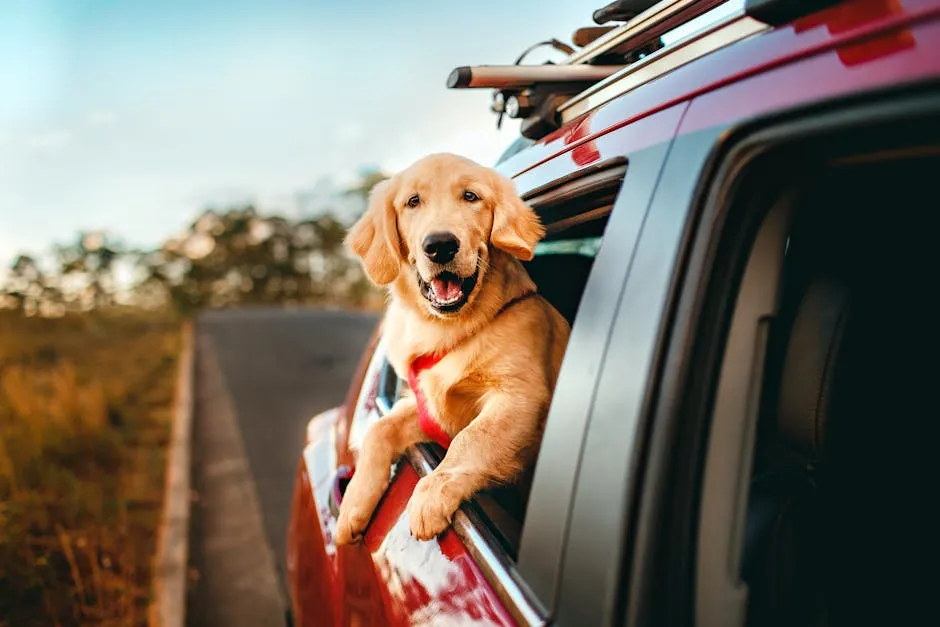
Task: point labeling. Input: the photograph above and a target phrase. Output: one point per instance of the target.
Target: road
(260, 375)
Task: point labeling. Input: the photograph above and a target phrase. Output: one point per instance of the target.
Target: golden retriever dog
(464, 324)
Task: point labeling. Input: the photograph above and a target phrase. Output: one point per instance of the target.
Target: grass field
(85, 405)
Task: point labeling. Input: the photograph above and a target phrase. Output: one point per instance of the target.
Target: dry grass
(85, 406)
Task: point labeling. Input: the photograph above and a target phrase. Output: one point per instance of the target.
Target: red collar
(426, 421)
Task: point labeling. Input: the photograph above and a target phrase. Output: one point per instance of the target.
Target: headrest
(809, 366)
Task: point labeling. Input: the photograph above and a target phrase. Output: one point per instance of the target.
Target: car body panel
(649, 131)
(545, 531)
(425, 581)
(310, 550)
(607, 477)
(578, 529)
(390, 578)
(906, 53)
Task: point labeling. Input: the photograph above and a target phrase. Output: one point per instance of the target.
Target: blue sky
(131, 116)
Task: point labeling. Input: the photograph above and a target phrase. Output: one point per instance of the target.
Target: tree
(226, 257)
(88, 261)
(25, 284)
(368, 178)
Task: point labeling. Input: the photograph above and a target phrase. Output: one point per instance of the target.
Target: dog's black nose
(441, 247)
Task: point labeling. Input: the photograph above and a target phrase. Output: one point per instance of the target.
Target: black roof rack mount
(621, 10)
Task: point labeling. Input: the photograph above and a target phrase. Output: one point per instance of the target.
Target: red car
(739, 232)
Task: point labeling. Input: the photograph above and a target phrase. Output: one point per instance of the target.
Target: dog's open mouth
(447, 292)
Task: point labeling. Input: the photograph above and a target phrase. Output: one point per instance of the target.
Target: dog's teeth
(443, 293)
(447, 301)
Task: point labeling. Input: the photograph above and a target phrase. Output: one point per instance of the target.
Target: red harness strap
(426, 421)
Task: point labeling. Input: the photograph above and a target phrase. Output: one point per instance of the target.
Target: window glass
(366, 411)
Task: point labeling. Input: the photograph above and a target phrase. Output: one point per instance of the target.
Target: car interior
(836, 514)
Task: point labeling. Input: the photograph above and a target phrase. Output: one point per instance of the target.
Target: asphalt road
(260, 376)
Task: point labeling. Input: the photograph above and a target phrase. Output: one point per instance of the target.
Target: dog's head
(441, 218)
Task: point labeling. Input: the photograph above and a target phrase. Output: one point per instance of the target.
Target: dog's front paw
(351, 523)
(430, 510)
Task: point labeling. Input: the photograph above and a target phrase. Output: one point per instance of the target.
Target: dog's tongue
(446, 288)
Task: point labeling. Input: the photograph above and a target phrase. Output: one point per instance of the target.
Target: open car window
(575, 212)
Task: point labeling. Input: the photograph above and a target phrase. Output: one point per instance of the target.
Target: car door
(648, 491)
(503, 559)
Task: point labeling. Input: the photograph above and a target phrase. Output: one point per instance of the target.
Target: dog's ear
(374, 237)
(516, 227)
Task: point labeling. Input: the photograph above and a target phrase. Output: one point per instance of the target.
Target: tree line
(236, 256)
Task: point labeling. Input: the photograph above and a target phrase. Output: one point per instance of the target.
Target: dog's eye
(470, 196)
(414, 201)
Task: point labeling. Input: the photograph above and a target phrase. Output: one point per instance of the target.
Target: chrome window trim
(734, 28)
(560, 226)
(382, 403)
(496, 565)
(607, 173)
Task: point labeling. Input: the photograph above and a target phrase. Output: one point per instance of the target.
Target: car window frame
(609, 476)
(546, 531)
(639, 172)
(470, 523)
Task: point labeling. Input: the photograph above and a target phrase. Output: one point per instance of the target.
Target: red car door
(390, 578)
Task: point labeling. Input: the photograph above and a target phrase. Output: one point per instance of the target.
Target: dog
(480, 347)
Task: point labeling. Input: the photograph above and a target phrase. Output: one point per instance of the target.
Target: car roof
(720, 47)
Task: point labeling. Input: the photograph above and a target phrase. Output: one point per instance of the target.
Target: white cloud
(47, 140)
(100, 118)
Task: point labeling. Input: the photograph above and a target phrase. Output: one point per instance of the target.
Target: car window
(366, 410)
(560, 269)
(594, 208)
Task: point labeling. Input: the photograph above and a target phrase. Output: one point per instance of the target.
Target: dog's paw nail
(350, 528)
(428, 517)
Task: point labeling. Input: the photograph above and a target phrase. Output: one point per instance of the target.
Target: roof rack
(732, 28)
(535, 94)
(615, 60)
(652, 23)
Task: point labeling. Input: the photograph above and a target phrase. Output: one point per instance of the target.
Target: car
(739, 233)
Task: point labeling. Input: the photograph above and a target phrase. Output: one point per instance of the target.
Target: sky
(132, 116)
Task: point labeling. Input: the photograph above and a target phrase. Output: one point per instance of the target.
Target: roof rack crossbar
(518, 76)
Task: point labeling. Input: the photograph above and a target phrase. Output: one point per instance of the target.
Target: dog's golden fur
(504, 347)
